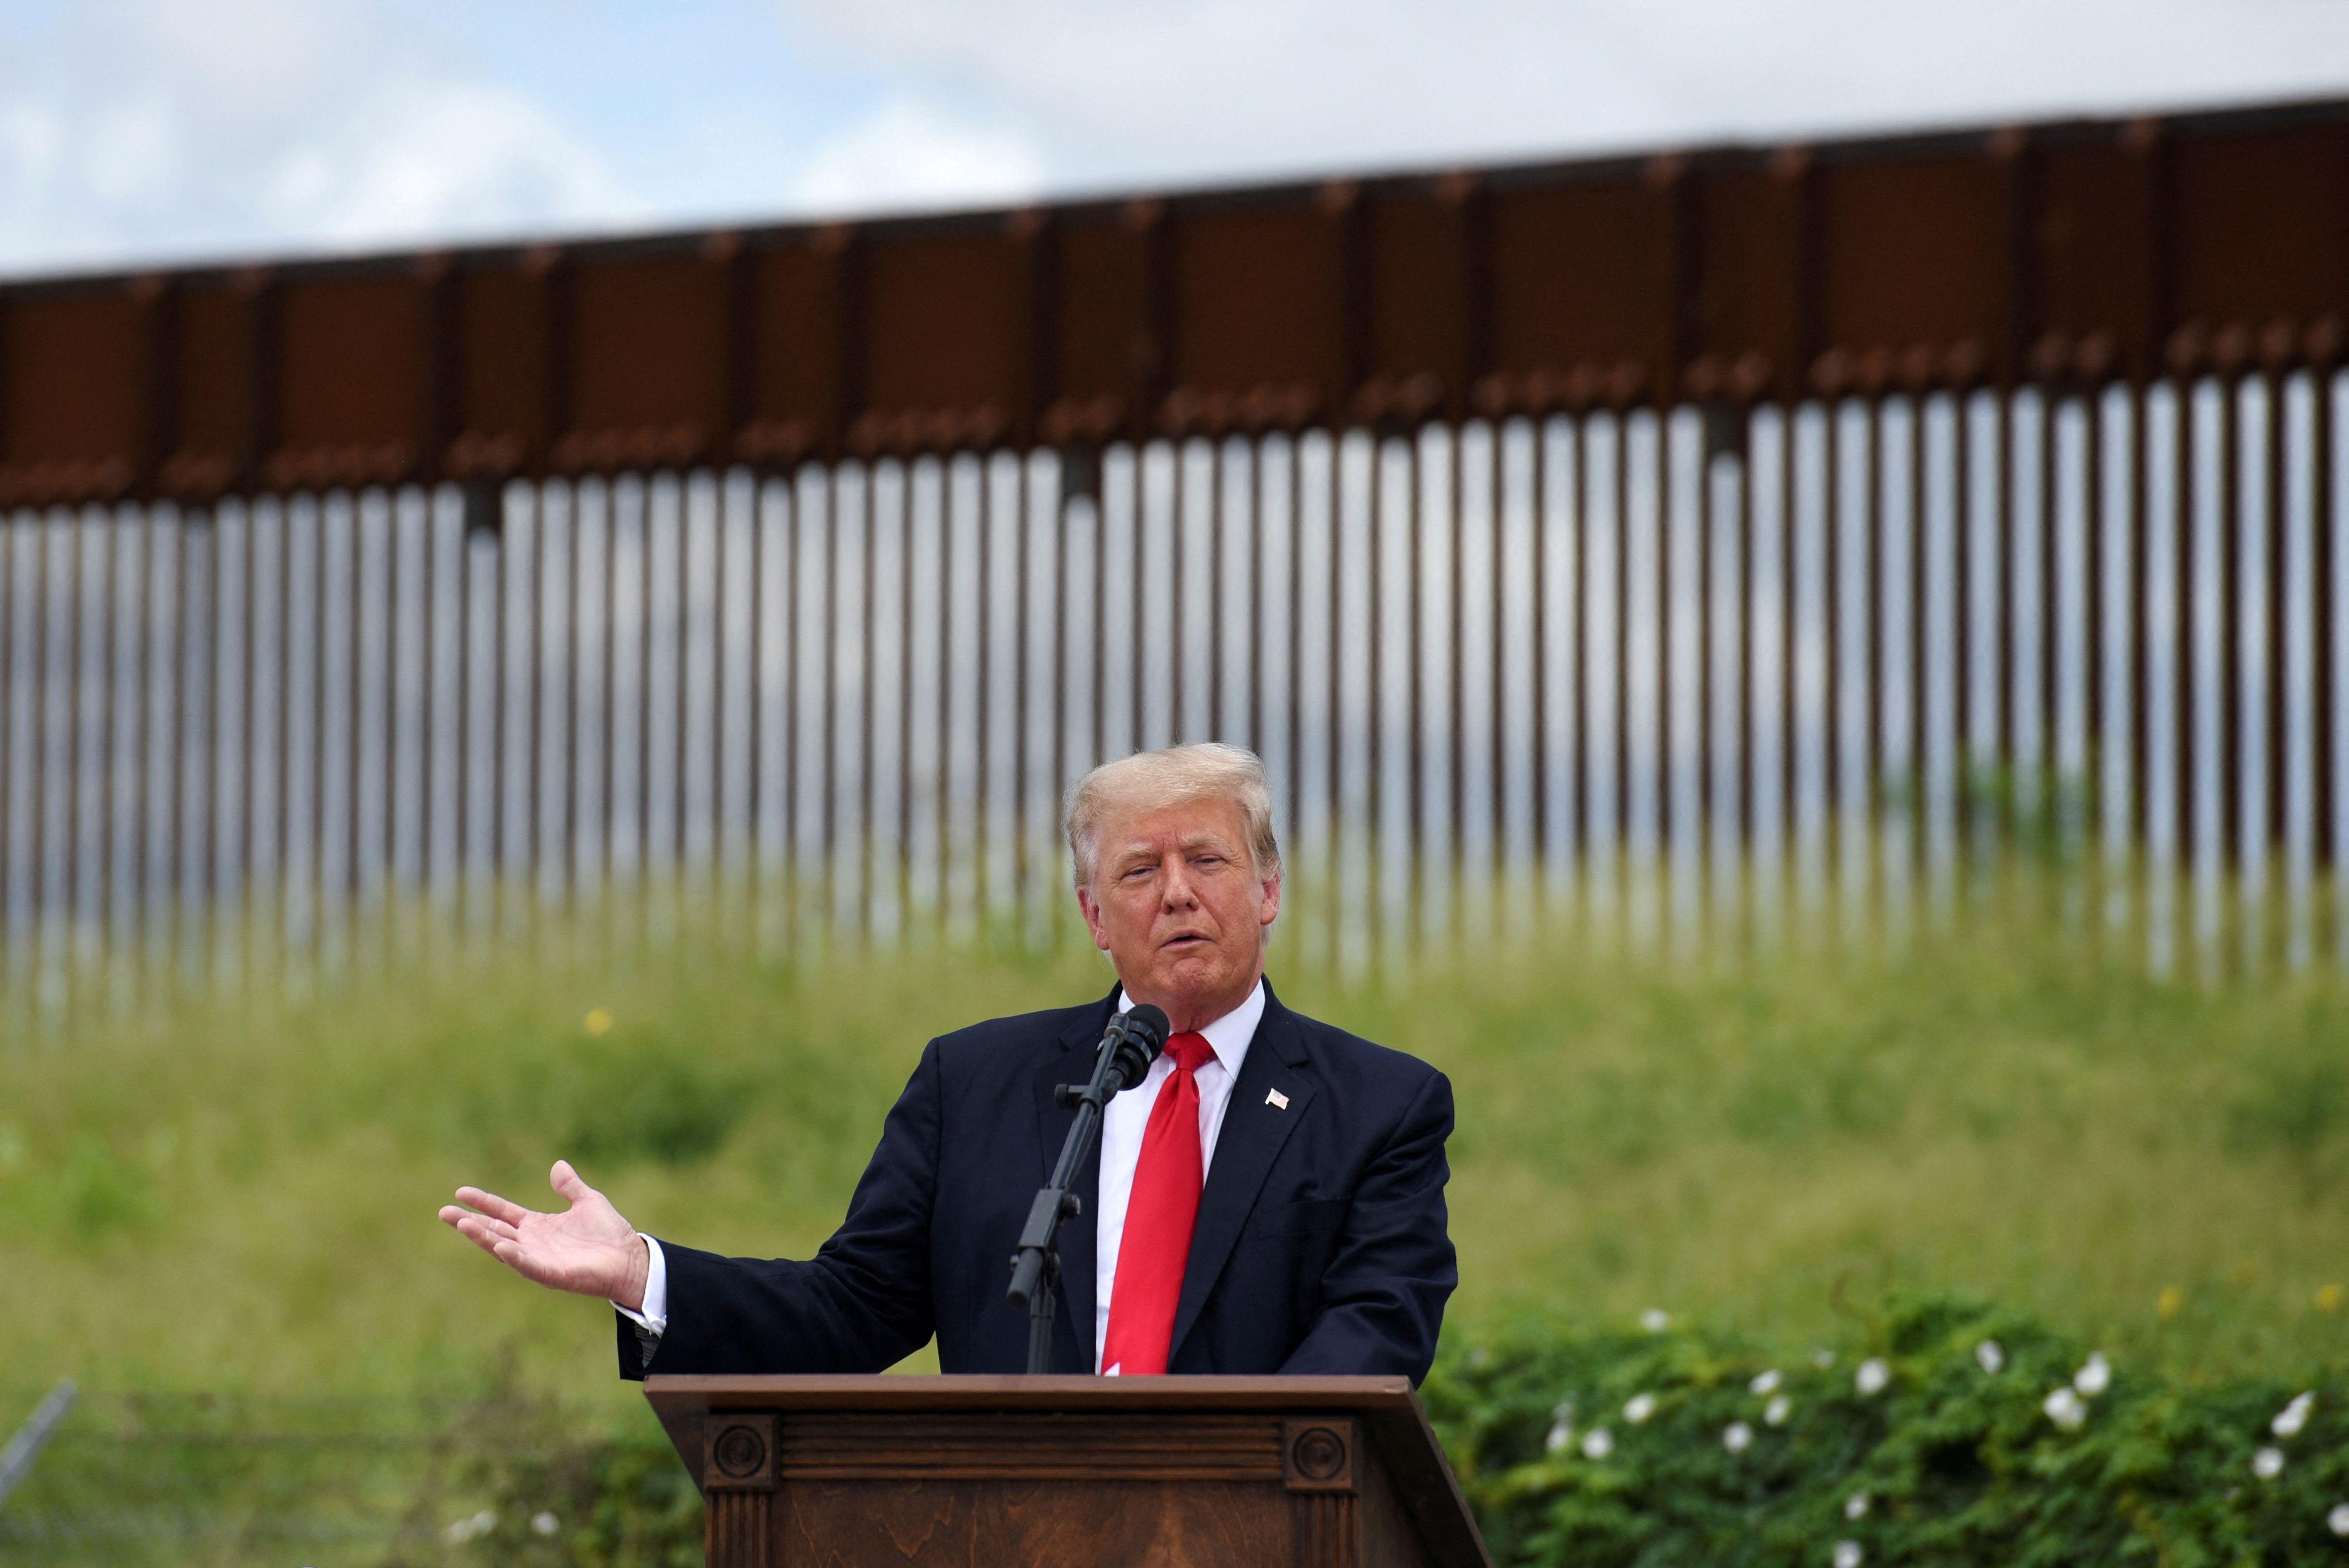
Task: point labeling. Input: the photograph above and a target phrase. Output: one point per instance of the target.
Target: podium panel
(1324, 1473)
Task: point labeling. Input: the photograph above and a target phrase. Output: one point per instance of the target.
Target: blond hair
(1150, 780)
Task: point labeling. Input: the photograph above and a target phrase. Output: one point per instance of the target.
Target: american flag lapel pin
(1275, 1099)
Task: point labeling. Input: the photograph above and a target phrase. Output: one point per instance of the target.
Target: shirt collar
(1229, 1035)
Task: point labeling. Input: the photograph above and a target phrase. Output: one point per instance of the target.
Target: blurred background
(1810, 689)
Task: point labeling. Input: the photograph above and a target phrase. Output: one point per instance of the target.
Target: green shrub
(537, 1486)
(1957, 1434)
(1953, 1433)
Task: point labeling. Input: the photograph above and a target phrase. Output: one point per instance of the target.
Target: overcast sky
(143, 130)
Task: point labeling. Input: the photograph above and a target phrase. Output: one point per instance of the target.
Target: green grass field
(236, 1197)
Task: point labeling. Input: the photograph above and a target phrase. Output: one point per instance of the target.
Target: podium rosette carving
(738, 1479)
(1318, 1462)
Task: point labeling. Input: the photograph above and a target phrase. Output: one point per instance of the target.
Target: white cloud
(909, 154)
(1121, 88)
(161, 129)
(442, 158)
(31, 142)
(130, 150)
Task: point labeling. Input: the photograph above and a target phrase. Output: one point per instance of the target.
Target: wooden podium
(838, 1472)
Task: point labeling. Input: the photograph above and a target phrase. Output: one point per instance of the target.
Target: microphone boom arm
(1131, 1041)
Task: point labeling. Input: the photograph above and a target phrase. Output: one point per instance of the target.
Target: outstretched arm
(860, 1304)
(587, 1247)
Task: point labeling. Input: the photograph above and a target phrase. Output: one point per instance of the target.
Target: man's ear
(1091, 909)
(1270, 908)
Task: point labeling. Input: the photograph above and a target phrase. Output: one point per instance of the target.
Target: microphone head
(1147, 1028)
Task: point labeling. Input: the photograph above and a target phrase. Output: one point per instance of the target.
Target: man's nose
(1177, 894)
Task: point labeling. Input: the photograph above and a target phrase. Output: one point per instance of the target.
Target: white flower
(2065, 1408)
(1823, 1358)
(2292, 1417)
(1856, 1506)
(1561, 1433)
(1765, 1382)
(1655, 1320)
(1847, 1554)
(1872, 1376)
(1597, 1443)
(2096, 1375)
(2337, 1520)
(1737, 1437)
(2268, 1463)
(466, 1529)
(1991, 1355)
(1638, 1407)
(1777, 1410)
(544, 1522)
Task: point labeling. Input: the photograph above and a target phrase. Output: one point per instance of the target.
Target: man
(1269, 1199)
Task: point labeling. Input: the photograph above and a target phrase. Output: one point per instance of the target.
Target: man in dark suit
(1269, 1199)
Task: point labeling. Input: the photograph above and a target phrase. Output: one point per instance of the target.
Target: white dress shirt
(1124, 1121)
(1127, 1116)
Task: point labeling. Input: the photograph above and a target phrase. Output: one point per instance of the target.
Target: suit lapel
(1251, 1138)
(1079, 1252)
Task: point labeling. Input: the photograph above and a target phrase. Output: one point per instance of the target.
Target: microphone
(1130, 1043)
(1133, 1041)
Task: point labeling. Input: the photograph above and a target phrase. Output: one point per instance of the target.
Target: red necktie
(1159, 1215)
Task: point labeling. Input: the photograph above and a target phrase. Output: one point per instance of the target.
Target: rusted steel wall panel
(339, 424)
(1260, 307)
(2100, 297)
(947, 336)
(1107, 355)
(647, 359)
(1916, 266)
(72, 416)
(1426, 328)
(2260, 227)
(1749, 302)
(218, 394)
(1582, 298)
(2143, 247)
(505, 332)
(802, 303)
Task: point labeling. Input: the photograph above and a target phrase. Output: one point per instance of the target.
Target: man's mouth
(1185, 940)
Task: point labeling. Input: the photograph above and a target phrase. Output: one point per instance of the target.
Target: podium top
(906, 1391)
(1389, 1412)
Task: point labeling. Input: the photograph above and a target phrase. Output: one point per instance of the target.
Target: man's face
(1176, 903)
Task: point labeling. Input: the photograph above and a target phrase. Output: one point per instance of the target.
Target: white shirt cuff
(652, 1317)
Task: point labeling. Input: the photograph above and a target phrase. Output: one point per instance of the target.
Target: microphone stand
(1133, 1040)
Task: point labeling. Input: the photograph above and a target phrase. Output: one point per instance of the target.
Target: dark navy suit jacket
(1320, 1244)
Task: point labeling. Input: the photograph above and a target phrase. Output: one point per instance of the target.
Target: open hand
(587, 1247)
